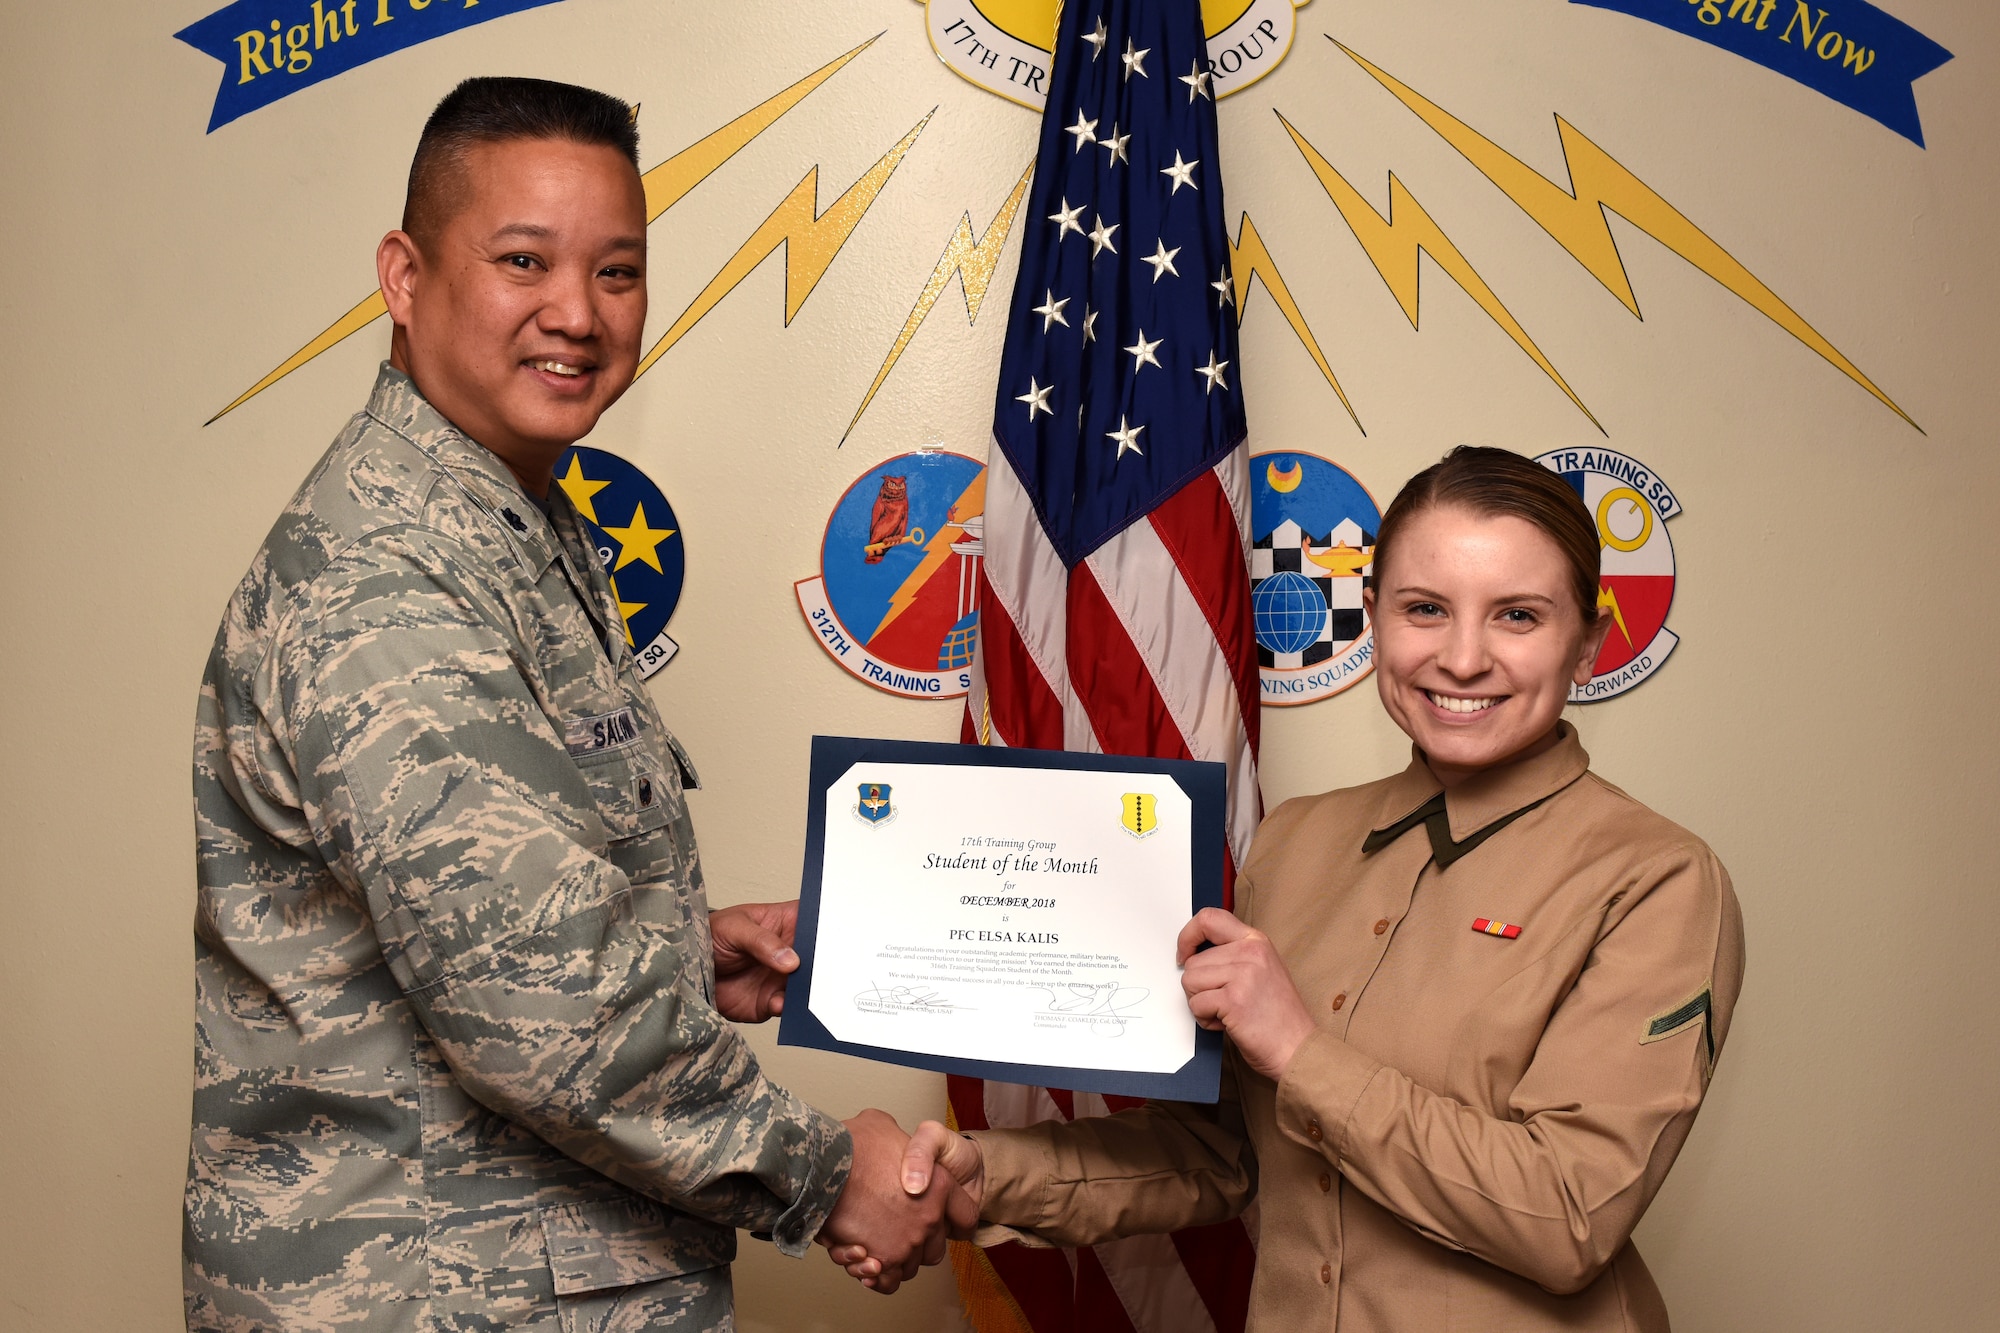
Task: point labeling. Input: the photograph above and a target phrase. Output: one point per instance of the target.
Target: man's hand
(895, 1229)
(931, 1146)
(753, 957)
(1241, 987)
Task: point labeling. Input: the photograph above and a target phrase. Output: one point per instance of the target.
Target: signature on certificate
(1103, 1005)
(901, 999)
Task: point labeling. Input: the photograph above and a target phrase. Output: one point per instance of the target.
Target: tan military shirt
(1485, 1112)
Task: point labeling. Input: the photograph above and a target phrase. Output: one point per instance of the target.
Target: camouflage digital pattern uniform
(457, 1060)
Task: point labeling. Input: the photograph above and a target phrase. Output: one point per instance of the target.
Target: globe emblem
(1290, 612)
(957, 649)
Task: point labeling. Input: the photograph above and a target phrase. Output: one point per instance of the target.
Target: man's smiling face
(520, 318)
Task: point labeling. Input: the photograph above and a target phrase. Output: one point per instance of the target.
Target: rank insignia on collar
(1500, 928)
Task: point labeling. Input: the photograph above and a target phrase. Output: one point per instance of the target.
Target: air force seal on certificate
(1631, 506)
(875, 805)
(1139, 813)
(638, 539)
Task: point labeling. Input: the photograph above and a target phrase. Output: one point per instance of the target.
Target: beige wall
(1828, 723)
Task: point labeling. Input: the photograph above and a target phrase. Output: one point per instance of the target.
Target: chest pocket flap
(619, 1242)
(624, 767)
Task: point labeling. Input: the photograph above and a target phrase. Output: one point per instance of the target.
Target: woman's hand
(1241, 987)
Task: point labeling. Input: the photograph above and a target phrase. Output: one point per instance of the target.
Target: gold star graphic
(581, 490)
(638, 541)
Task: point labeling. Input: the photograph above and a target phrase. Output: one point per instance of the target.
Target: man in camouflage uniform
(462, 1061)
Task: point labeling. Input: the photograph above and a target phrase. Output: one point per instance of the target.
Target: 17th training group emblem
(638, 539)
(1631, 506)
(1312, 533)
(896, 602)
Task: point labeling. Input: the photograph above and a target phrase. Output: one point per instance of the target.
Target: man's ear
(396, 267)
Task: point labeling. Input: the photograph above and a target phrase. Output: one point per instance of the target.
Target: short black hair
(495, 110)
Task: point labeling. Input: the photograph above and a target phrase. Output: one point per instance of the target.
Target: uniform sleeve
(1157, 1167)
(1552, 1191)
(441, 794)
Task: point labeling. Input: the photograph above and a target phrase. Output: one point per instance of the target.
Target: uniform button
(1326, 1274)
(1313, 1130)
(1339, 1000)
(1325, 1183)
(1381, 925)
(645, 791)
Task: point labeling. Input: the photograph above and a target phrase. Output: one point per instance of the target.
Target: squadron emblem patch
(1631, 505)
(638, 539)
(896, 602)
(1312, 535)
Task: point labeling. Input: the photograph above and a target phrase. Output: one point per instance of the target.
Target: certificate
(1007, 914)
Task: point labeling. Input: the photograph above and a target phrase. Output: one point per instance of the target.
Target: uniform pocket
(628, 787)
(614, 1243)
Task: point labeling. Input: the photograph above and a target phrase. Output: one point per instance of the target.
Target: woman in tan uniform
(1473, 1007)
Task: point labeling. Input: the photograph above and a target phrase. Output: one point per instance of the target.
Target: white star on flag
(1096, 39)
(1084, 130)
(1100, 237)
(1226, 287)
(1115, 146)
(1162, 259)
(1135, 61)
(1182, 172)
(1142, 352)
(1127, 437)
(1065, 219)
(1051, 311)
(1037, 399)
(1089, 325)
(1198, 80)
(1212, 372)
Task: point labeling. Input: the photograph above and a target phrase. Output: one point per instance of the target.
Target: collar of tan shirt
(1478, 807)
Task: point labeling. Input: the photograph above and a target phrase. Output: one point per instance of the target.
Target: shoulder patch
(1698, 1008)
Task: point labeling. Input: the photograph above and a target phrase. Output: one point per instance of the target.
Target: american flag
(1115, 596)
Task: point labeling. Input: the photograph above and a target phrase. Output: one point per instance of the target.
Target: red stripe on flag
(1025, 711)
(1097, 1305)
(1198, 528)
(1041, 1284)
(1220, 1263)
(1111, 680)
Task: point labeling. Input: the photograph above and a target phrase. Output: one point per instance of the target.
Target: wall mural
(863, 608)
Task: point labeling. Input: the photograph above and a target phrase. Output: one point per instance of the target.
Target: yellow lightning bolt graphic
(1578, 223)
(973, 261)
(937, 550)
(1607, 597)
(1249, 259)
(665, 185)
(1395, 243)
(811, 240)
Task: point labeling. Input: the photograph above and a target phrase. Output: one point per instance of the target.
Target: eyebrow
(1414, 590)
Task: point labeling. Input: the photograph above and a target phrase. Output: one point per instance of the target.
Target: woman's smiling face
(1478, 637)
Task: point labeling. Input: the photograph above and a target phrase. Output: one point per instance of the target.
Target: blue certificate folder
(1205, 785)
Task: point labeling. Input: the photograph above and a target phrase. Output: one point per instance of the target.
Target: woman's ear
(1594, 633)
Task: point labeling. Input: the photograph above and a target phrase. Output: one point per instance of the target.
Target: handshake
(898, 1210)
